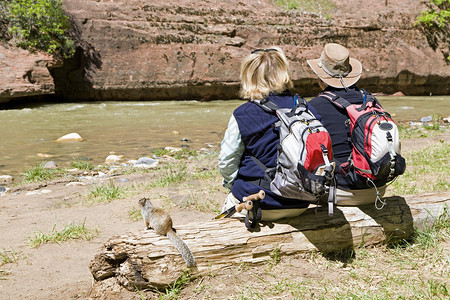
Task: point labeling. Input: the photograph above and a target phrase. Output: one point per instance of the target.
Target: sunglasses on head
(263, 50)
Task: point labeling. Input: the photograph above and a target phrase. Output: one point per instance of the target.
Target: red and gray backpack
(304, 169)
(374, 138)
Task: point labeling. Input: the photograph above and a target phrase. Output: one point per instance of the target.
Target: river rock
(426, 119)
(172, 149)
(6, 179)
(145, 163)
(146, 160)
(71, 137)
(50, 165)
(112, 159)
(75, 183)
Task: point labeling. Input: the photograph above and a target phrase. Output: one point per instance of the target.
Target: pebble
(146, 160)
(75, 183)
(71, 137)
(38, 192)
(426, 119)
(50, 165)
(44, 155)
(113, 158)
(172, 149)
(446, 120)
(6, 179)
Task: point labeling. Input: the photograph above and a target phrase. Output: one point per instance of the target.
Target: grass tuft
(170, 175)
(105, 193)
(39, 173)
(431, 235)
(173, 291)
(426, 171)
(69, 232)
(183, 153)
(7, 256)
(82, 164)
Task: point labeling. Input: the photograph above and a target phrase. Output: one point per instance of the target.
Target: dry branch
(145, 260)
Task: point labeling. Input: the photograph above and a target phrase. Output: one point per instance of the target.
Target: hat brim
(349, 80)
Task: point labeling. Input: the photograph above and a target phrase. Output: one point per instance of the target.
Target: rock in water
(71, 137)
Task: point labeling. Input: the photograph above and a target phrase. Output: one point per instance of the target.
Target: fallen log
(145, 260)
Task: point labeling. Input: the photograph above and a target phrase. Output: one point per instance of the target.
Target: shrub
(438, 14)
(41, 24)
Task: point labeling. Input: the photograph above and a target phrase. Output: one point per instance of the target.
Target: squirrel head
(143, 201)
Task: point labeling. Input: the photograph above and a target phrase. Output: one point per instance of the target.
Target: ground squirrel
(160, 221)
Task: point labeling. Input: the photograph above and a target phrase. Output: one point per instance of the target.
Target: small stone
(426, 119)
(71, 137)
(46, 191)
(44, 155)
(398, 94)
(122, 180)
(185, 140)
(32, 193)
(446, 120)
(6, 179)
(146, 161)
(172, 149)
(75, 183)
(50, 165)
(175, 132)
(132, 161)
(185, 146)
(111, 159)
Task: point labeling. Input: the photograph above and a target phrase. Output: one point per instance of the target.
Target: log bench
(145, 260)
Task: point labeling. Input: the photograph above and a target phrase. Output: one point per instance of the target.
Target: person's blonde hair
(264, 71)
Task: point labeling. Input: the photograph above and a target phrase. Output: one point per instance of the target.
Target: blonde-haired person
(251, 134)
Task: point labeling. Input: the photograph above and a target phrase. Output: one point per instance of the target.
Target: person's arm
(231, 150)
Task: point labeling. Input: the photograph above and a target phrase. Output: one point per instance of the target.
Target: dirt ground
(60, 271)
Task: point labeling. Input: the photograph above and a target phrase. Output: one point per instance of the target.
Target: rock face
(168, 49)
(24, 74)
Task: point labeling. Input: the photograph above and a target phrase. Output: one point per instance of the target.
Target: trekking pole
(248, 201)
(246, 204)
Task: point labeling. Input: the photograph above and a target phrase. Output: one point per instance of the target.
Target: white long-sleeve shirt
(231, 150)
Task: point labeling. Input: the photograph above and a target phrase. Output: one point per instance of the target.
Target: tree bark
(145, 260)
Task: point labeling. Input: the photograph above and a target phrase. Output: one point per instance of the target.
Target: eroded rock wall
(24, 74)
(167, 49)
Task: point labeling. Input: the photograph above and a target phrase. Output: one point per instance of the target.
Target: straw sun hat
(335, 67)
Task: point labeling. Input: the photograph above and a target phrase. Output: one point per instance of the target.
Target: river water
(134, 129)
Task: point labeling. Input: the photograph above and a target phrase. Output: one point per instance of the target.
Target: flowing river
(134, 129)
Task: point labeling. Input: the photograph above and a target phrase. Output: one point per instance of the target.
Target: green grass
(426, 171)
(321, 7)
(135, 214)
(39, 173)
(431, 235)
(183, 153)
(169, 175)
(105, 193)
(7, 256)
(173, 291)
(82, 164)
(71, 231)
(425, 131)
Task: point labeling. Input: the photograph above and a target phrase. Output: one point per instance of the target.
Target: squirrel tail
(182, 248)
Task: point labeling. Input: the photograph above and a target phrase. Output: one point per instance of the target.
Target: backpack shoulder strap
(267, 105)
(335, 99)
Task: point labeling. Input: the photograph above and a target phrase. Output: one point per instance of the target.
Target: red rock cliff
(167, 49)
